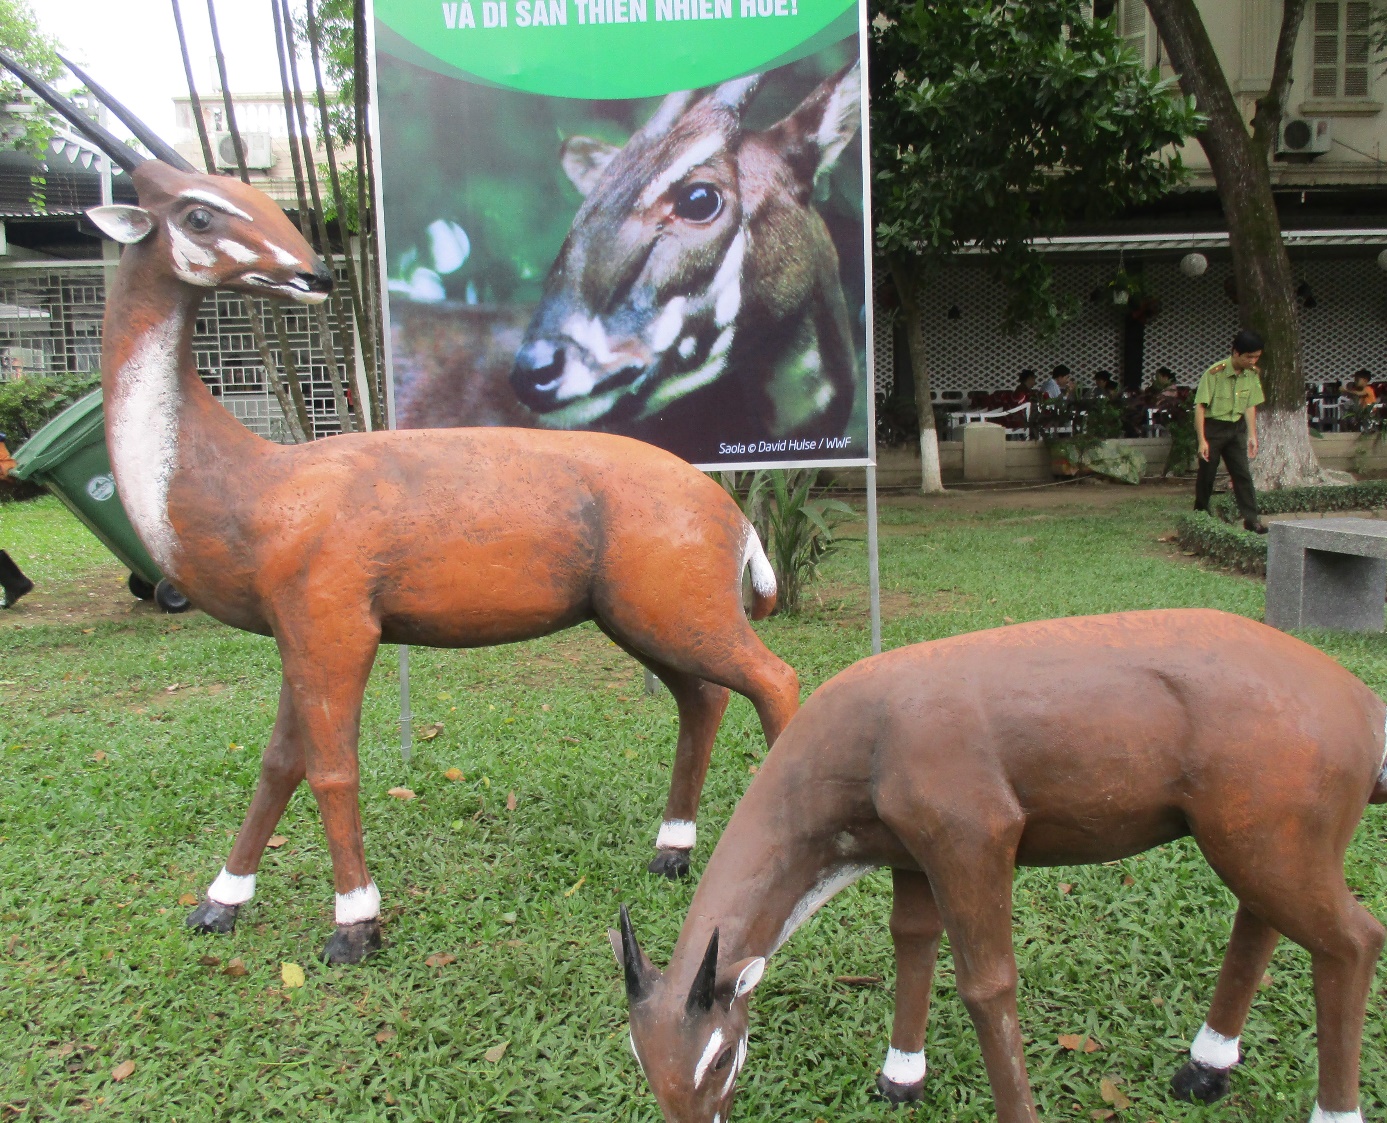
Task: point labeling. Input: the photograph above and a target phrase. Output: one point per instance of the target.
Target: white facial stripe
(143, 417)
(1213, 1049)
(631, 1037)
(216, 202)
(236, 251)
(232, 889)
(283, 256)
(710, 1053)
(726, 289)
(686, 346)
(576, 381)
(698, 152)
(820, 895)
(676, 388)
(1319, 1115)
(903, 1068)
(188, 256)
(590, 334)
(358, 905)
(665, 328)
(677, 834)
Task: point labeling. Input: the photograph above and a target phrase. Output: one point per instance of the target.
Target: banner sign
(643, 217)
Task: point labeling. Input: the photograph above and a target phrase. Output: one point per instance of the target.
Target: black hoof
(672, 864)
(1201, 1083)
(352, 943)
(213, 918)
(897, 1094)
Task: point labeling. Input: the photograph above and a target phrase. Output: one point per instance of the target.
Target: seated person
(1060, 384)
(1361, 390)
(1162, 389)
(1025, 386)
(1105, 387)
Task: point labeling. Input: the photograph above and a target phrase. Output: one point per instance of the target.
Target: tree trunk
(1265, 285)
(906, 279)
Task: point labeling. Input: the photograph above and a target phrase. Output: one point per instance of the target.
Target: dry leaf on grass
(401, 793)
(1078, 1043)
(236, 968)
(1129, 880)
(440, 959)
(1065, 888)
(210, 961)
(859, 980)
(384, 1035)
(496, 1052)
(454, 774)
(428, 733)
(292, 974)
(100, 754)
(510, 802)
(1108, 1089)
(122, 1070)
(575, 886)
(188, 900)
(276, 841)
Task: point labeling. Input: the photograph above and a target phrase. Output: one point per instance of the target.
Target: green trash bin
(68, 456)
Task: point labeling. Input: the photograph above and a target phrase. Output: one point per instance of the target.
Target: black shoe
(13, 583)
(1258, 527)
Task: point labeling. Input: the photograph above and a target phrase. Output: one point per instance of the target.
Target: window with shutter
(1341, 64)
(1131, 25)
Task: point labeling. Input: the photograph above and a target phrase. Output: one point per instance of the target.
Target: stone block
(984, 452)
(1327, 573)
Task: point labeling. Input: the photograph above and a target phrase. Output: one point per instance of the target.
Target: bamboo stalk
(257, 324)
(335, 184)
(311, 175)
(201, 125)
(369, 278)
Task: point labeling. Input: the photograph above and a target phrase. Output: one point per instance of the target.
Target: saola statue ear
(584, 160)
(749, 972)
(123, 223)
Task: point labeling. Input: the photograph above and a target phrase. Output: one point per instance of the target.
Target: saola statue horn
(143, 133)
(123, 155)
(705, 982)
(631, 958)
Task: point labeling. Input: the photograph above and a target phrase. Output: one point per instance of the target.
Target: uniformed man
(1225, 425)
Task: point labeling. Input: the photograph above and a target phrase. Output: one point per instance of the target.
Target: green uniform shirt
(1227, 394)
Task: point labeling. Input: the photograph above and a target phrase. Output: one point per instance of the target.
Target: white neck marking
(831, 883)
(144, 436)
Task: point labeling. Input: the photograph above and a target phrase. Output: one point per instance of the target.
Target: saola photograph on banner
(642, 217)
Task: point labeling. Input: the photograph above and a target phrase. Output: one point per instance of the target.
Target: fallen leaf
(859, 980)
(388, 1098)
(753, 768)
(1008, 620)
(440, 959)
(508, 918)
(275, 841)
(496, 1052)
(401, 793)
(1091, 1046)
(454, 774)
(384, 1035)
(444, 696)
(1108, 1089)
(63, 1050)
(1071, 1041)
(292, 974)
(432, 731)
(173, 687)
(510, 802)
(1129, 880)
(188, 900)
(236, 968)
(100, 754)
(1267, 980)
(122, 1070)
(1158, 1001)
(575, 886)
(88, 631)
(210, 961)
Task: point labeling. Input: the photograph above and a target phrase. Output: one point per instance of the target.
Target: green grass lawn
(120, 794)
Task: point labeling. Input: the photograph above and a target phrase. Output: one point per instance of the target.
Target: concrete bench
(1327, 573)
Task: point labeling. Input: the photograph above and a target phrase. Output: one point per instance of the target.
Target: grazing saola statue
(955, 761)
(442, 538)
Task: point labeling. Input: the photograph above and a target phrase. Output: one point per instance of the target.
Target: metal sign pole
(873, 564)
(406, 719)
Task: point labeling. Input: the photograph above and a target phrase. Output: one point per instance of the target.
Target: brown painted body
(454, 538)
(1059, 742)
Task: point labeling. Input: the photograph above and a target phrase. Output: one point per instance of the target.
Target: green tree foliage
(995, 122)
(23, 40)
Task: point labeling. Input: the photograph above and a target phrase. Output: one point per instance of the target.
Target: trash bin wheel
(170, 599)
(140, 588)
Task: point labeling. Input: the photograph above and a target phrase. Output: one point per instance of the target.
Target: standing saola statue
(698, 280)
(955, 761)
(441, 538)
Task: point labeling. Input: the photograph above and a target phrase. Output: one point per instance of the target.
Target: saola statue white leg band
(231, 889)
(677, 834)
(358, 905)
(1211, 1048)
(1319, 1115)
(903, 1068)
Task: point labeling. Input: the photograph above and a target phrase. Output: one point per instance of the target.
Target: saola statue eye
(199, 218)
(698, 202)
(724, 1059)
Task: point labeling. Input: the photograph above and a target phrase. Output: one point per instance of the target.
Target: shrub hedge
(1220, 536)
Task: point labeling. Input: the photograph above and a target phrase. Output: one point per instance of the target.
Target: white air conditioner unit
(259, 151)
(1303, 136)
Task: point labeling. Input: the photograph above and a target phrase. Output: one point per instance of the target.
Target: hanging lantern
(1195, 264)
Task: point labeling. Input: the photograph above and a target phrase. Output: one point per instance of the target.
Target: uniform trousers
(1228, 440)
